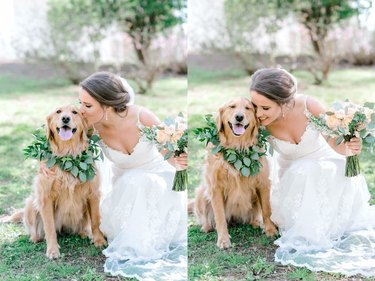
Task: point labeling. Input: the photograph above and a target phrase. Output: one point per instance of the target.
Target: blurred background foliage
(72, 38)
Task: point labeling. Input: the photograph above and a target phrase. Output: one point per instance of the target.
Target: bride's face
(267, 111)
(90, 108)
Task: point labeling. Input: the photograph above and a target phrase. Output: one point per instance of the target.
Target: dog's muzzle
(65, 132)
(238, 128)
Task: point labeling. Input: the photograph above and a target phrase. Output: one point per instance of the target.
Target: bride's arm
(148, 118)
(352, 147)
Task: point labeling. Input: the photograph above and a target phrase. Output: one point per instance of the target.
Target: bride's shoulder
(314, 106)
(146, 116)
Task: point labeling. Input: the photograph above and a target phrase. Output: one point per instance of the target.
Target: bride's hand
(180, 162)
(353, 147)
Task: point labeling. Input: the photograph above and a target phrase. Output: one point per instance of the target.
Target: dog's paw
(83, 234)
(255, 223)
(35, 238)
(223, 242)
(53, 252)
(206, 228)
(99, 240)
(270, 229)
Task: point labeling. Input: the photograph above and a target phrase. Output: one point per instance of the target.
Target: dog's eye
(59, 111)
(247, 108)
(232, 106)
(74, 112)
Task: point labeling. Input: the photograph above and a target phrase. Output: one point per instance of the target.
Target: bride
(144, 221)
(324, 218)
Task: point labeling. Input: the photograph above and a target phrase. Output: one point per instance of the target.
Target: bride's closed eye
(86, 105)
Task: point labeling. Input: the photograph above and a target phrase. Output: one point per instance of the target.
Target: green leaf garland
(246, 161)
(80, 166)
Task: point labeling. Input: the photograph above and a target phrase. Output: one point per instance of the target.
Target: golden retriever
(225, 195)
(60, 202)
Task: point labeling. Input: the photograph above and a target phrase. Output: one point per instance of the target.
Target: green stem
(180, 180)
(352, 168)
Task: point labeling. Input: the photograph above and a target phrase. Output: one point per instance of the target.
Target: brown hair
(107, 89)
(275, 84)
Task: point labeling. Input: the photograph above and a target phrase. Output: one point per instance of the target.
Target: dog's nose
(65, 119)
(239, 117)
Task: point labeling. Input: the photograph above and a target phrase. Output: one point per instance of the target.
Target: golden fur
(60, 202)
(225, 194)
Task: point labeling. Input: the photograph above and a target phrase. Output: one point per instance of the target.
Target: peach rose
(340, 114)
(332, 121)
(162, 137)
(176, 136)
(169, 130)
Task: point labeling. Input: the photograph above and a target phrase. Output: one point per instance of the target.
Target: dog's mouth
(238, 129)
(65, 132)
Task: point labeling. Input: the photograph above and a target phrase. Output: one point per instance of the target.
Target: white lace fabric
(144, 220)
(324, 218)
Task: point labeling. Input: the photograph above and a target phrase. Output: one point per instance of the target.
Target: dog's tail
(191, 205)
(16, 217)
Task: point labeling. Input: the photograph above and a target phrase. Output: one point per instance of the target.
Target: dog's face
(237, 122)
(66, 127)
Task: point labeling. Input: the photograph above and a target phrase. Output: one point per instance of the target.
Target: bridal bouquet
(345, 121)
(171, 136)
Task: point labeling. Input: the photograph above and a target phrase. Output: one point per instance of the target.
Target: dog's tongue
(65, 134)
(238, 129)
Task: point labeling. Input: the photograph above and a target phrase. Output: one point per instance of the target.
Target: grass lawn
(251, 255)
(25, 103)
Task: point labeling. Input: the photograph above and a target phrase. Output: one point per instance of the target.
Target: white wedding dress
(324, 218)
(145, 222)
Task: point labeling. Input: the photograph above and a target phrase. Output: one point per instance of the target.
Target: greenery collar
(247, 161)
(80, 166)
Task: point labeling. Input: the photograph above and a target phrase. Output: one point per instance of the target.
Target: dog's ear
(84, 131)
(50, 135)
(219, 121)
(255, 129)
(220, 124)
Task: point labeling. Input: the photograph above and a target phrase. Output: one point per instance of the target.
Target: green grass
(25, 104)
(251, 256)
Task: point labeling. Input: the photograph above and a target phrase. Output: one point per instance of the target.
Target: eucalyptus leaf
(82, 176)
(168, 155)
(95, 138)
(216, 149)
(89, 161)
(238, 164)
(232, 158)
(51, 162)
(68, 165)
(245, 171)
(83, 165)
(255, 156)
(74, 171)
(246, 161)
(370, 139)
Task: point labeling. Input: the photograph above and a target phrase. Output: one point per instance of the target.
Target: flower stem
(352, 168)
(180, 180)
